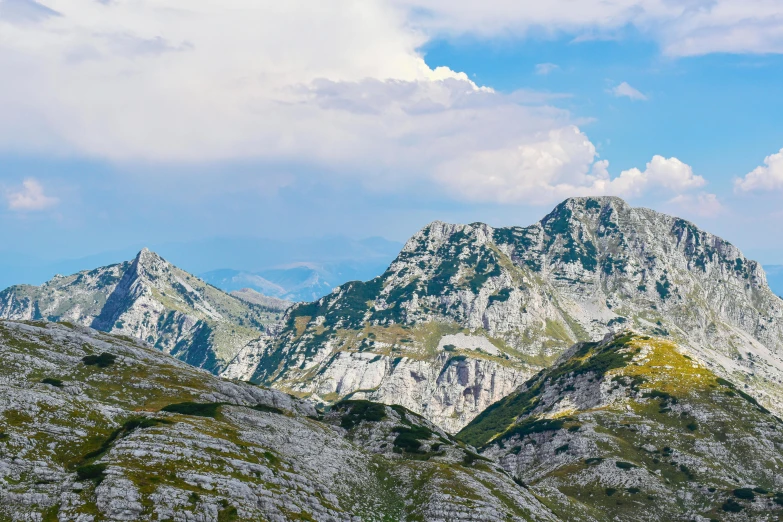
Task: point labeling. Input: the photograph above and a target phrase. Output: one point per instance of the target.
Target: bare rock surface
(99, 427)
(468, 312)
(152, 300)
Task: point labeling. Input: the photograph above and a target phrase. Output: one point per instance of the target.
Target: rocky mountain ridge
(634, 428)
(99, 427)
(466, 313)
(148, 299)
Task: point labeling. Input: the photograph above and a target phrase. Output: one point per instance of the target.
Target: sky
(137, 122)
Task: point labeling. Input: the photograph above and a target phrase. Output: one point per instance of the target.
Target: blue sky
(127, 124)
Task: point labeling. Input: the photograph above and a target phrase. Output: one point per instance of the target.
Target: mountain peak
(146, 255)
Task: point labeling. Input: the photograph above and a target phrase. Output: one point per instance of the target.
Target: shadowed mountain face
(148, 299)
(467, 313)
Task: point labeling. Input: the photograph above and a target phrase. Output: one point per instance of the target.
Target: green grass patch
(103, 360)
(471, 457)
(268, 409)
(196, 409)
(94, 472)
(535, 426)
(731, 506)
(124, 430)
(409, 439)
(359, 411)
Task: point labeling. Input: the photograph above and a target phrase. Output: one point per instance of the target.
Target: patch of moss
(94, 472)
(268, 409)
(409, 438)
(209, 409)
(227, 512)
(103, 360)
(731, 506)
(358, 411)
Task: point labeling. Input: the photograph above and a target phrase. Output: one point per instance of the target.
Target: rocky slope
(466, 313)
(634, 428)
(149, 299)
(100, 427)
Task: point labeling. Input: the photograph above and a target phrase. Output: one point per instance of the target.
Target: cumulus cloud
(702, 204)
(625, 90)
(764, 177)
(546, 68)
(192, 80)
(336, 85)
(684, 28)
(559, 164)
(29, 197)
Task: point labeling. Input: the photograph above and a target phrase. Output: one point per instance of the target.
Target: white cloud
(764, 177)
(544, 69)
(193, 80)
(703, 204)
(339, 86)
(556, 165)
(682, 28)
(670, 174)
(625, 90)
(30, 196)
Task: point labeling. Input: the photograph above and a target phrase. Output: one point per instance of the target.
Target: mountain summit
(150, 299)
(466, 313)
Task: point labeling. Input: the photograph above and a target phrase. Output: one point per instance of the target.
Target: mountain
(272, 303)
(343, 258)
(775, 278)
(148, 299)
(467, 313)
(634, 428)
(95, 426)
(297, 282)
(102, 427)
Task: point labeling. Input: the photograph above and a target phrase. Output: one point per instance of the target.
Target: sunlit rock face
(148, 299)
(468, 312)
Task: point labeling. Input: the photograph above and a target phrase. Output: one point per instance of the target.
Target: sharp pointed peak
(146, 256)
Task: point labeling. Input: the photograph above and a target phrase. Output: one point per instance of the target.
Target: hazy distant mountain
(302, 282)
(335, 255)
(251, 296)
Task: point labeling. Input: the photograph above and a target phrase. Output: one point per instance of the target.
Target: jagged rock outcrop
(148, 299)
(634, 428)
(99, 427)
(498, 305)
